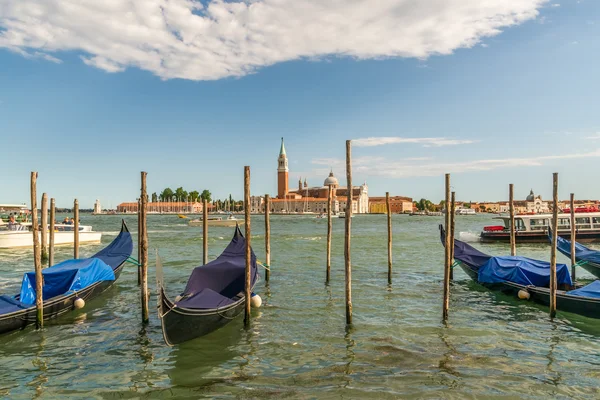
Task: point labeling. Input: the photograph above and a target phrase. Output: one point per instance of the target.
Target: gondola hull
(116, 254)
(55, 307)
(181, 324)
(586, 306)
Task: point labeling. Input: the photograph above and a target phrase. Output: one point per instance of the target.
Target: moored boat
(532, 228)
(231, 220)
(19, 235)
(527, 278)
(213, 296)
(585, 257)
(66, 283)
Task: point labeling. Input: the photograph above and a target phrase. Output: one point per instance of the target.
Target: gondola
(526, 278)
(213, 296)
(585, 257)
(65, 283)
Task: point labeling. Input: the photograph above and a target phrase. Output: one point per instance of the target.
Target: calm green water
(298, 346)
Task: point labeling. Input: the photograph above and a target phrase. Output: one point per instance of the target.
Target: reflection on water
(297, 345)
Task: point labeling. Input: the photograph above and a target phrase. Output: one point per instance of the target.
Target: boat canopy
(581, 252)
(522, 270)
(66, 277)
(215, 284)
(591, 290)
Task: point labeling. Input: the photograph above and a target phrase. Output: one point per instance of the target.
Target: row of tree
(180, 194)
(426, 205)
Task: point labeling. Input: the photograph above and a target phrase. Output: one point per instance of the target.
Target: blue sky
(511, 102)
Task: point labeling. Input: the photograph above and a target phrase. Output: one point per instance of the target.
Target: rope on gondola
(267, 267)
(455, 264)
(133, 261)
(580, 263)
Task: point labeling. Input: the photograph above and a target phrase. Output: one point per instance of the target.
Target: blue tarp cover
(215, 284)
(67, 276)
(591, 290)
(117, 251)
(465, 252)
(581, 252)
(521, 270)
(8, 305)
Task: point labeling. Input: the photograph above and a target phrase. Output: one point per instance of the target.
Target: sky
(493, 92)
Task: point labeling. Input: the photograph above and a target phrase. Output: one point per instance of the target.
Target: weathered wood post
(452, 225)
(553, 283)
(76, 229)
(267, 237)
(144, 249)
(37, 256)
(51, 234)
(348, 228)
(511, 210)
(204, 231)
(447, 253)
(44, 227)
(247, 288)
(389, 241)
(140, 233)
(573, 233)
(329, 229)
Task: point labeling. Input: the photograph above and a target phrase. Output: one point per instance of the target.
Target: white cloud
(426, 142)
(379, 166)
(594, 137)
(555, 5)
(186, 39)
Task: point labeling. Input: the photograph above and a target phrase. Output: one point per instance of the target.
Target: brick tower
(282, 173)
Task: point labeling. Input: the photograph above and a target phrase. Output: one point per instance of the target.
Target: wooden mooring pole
(37, 256)
(447, 254)
(452, 226)
(44, 227)
(247, 288)
(347, 235)
(205, 231)
(51, 234)
(573, 233)
(139, 256)
(511, 210)
(553, 284)
(144, 248)
(389, 241)
(76, 229)
(329, 228)
(268, 237)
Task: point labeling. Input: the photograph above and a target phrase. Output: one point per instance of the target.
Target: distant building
(97, 207)
(398, 205)
(164, 207)
(314, 199)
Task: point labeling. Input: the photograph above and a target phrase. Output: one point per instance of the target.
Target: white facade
(97, 207)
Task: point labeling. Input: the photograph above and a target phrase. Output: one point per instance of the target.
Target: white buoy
(524, 295)
(255, 301)
(79, 303)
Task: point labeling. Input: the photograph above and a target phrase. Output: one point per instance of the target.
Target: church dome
(331, 180)
(531, 196)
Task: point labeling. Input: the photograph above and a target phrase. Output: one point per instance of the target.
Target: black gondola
(578, 300)
(66, 282)
(213, 296)
(585, 257)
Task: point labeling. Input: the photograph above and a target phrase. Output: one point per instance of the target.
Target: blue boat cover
(215, 284)
(521, 270)
(582, 253)
(8, 305)
(465, 253)
(591, 290)
(65, 277)
(118, 251)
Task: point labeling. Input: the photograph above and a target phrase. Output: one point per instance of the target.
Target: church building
(305, 199)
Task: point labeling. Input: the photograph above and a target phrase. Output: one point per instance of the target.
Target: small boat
(465, 211)
(66, 284)
(181, 216)
(585, 257)
(342, 214)
(527, 279)
(533, 228)
(217, 221)
(19, 235)
(213, 296)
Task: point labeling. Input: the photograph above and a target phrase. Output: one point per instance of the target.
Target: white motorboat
(19, 235)
(465, 211)
(231, 220)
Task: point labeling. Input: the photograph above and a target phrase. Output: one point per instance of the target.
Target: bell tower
(282, 173)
